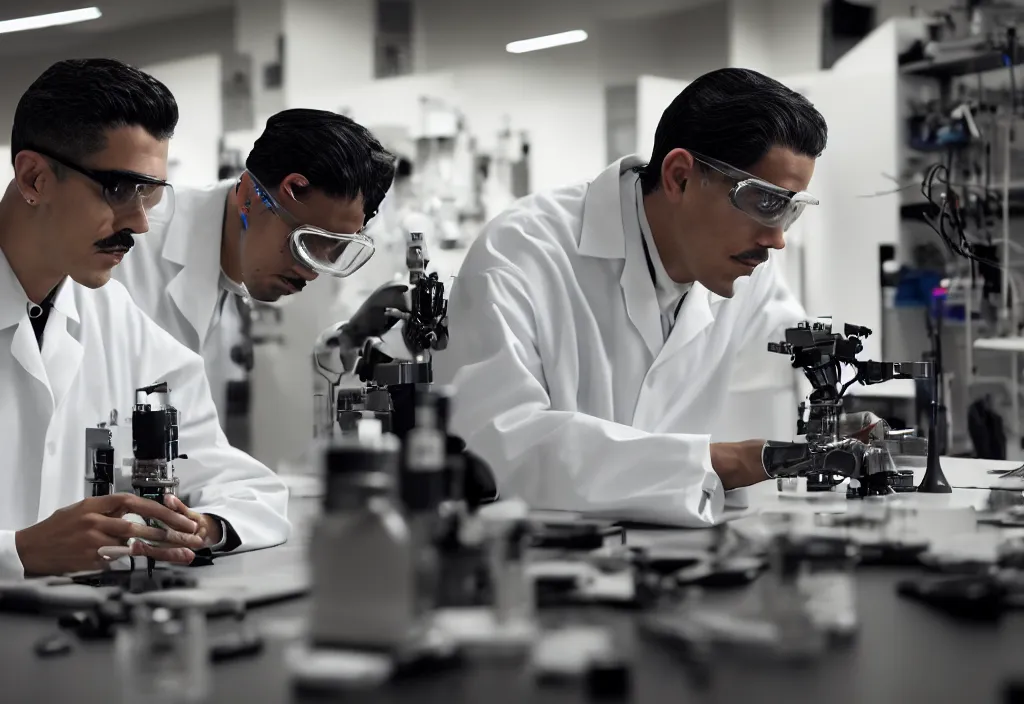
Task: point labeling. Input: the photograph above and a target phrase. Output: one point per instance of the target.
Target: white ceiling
(124, 14)
(117, 15)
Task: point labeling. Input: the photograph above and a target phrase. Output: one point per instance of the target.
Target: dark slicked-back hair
(736, 115)
(338, 156)
(70, 107)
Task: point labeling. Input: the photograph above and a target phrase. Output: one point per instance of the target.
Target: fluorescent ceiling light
(561, 39)
(53, 19)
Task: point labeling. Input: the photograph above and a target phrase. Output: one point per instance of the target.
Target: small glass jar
(162, 656)
(512, 589)
(825, 581)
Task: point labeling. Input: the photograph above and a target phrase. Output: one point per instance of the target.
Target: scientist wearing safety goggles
(313, 181)
(594, 327)
(90, 142)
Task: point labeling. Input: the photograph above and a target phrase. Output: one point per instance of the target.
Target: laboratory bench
(904, 652)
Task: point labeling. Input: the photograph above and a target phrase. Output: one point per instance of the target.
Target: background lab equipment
(390, 382)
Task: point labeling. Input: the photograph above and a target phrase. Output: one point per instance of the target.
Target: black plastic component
(581, 535)
(135, 582)
(609, 678)
(1013, 692)
(897, 554)
(976, 598)
(237, 644)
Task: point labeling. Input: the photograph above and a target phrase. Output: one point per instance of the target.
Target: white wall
(558, 96)
(680, 45)
(139, 46)
(257, 26)
(196, 85)
(328, 45)
(776, 37)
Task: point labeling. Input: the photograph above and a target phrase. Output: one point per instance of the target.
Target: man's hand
(209, 527)
(69, 540)
(738, 464)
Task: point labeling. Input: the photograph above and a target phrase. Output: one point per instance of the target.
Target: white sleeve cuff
(223, 535)
(10, 562)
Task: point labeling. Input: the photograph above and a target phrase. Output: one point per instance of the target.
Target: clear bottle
(423, 491)
(506, 540)
(361, 553)
(826, 583)
(162, 656)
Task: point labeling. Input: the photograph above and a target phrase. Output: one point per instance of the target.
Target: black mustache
(299, 284)
(757, 255)
(119, 240)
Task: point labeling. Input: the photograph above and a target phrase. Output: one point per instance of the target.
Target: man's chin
(723, 288)
(96, 278)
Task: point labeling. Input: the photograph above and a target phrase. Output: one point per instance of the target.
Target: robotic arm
(835, 447)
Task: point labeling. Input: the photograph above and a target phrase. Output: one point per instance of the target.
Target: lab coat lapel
(62, 353)
(638, 289)
(637, 285)
(694, 316)
(13, 311)
(193, 242)
(25, 351)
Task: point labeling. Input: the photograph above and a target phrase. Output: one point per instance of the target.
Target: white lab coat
(173, 274)
(98, 347)
(563, 379)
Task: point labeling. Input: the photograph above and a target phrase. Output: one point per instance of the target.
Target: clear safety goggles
(125, 191)
(324, 252)
(764, 202)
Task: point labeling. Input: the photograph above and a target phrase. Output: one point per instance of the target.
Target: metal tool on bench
(830, 454)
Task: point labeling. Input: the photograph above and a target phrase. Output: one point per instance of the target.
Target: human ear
(295, 186)
(677, 168)
(34, 177)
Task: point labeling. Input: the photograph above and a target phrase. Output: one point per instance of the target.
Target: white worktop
(1000, 344)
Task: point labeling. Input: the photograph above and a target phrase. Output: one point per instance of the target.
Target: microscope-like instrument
(832, 451)
(356, 346)
(155, 447)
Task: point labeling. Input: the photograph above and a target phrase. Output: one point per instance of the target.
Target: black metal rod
(934, 481)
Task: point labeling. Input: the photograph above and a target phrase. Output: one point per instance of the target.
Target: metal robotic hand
(858, 454)
(374, 318)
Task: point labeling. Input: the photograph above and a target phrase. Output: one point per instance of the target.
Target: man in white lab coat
(593, 328)
(313, 180)
(89, 148)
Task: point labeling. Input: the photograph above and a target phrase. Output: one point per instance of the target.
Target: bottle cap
(608, 677)
(358, 455)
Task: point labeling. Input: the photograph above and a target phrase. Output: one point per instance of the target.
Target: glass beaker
(825, 580)
(162, 656)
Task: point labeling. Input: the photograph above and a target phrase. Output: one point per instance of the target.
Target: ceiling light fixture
(53, 19)
(552, 40)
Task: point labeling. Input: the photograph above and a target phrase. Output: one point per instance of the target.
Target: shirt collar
(14, 301)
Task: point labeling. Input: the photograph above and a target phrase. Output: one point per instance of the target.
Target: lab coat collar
(697, 312)
(193, 242)
(602, 212)
(14, 300)
(57, 364)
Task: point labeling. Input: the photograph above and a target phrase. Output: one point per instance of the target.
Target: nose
(304, 273)
(134, 219)
(772, 238)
